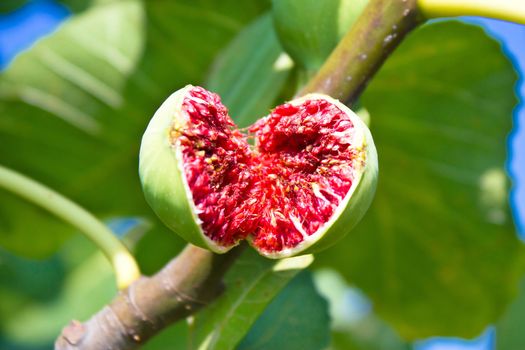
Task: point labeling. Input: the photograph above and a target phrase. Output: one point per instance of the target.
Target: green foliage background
(437, 253)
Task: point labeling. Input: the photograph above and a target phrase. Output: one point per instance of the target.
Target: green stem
(507, 10)
(124, 264)
(377, 32)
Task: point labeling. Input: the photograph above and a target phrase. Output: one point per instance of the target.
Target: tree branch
(377, 32)
(184, 285)
(193, 279)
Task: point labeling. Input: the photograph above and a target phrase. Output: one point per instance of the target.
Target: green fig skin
(162, 178)
(167, 192)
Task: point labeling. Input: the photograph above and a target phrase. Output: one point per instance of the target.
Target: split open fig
(303, 183)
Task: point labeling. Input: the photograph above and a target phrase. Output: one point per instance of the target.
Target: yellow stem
(124, 264)
(507, 10)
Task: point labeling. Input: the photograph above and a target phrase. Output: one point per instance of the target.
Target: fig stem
(377, 32)
(124, 264)
(507, 10)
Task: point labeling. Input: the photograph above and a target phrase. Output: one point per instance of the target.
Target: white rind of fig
(167, 191)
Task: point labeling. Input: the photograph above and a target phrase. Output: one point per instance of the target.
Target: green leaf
(250, 72)
(296, 319)
(43, 296)
(173, 337)
(7, 6)
(83, 284)
(310, 29)
(251, 284)
(156, 248)
(183, 39)
(354, 324)
(56, 101)
(437, 252)
(370, 333)
(509, 329)
(75, 105)
(26, 229)
(37, 280)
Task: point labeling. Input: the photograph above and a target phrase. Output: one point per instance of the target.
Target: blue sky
(513, 39)
(21, 28)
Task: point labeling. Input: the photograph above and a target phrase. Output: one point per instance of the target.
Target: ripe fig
(306, 181)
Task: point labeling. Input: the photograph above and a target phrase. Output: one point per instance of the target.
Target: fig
(309, 30)
(293, 183)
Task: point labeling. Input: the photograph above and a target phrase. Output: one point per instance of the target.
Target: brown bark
(184, 285)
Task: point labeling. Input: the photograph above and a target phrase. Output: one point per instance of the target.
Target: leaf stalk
(506, 10)
(124, 264)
